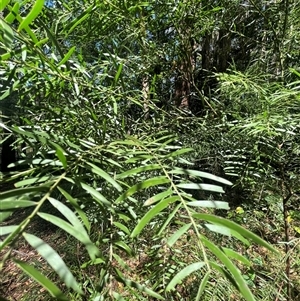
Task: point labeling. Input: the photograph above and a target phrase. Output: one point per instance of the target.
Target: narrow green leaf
(7, 34)
(13, 204)
(122, 227)
(151, 214)
(4, 230)
(219, 229)
(92, 262)
(42, 280)
(21, 191)
(201, 174)
(81, 213)
(68, 214)
(185, 272)
(169, 219)
(138, 170)
(224, 273)
(4, 215)
(143, 185)
(237, 276)
(202, 286)
(3, 4)
(67, 56)
(61, 156)
(209, 204)
(175, 236)
(158, 197)
(232, 225)
(54, 260)
(118, 73)
(201, 186)
(179, 152)
(31, 181)
(95, 194)
(13, 12)
(122, 245)
(80, 19)
(236, 256)
(35, 11)
(105, 176)
(81, 236)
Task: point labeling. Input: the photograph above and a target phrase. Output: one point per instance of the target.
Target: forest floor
(266, 274)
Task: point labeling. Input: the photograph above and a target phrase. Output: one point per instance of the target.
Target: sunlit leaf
(41, 279)
(105, 176)
(67, 56)
(13, 204)
(151, 214)
(54, 260)
(35, 11)
(185, 272)
(239, 229)
(143, 185)
(209, 204)
(80, 236)
(200, 174)
(237, 276)
(201, 186)
(175, 236)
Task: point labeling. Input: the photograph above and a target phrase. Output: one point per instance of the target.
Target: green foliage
(103, 162)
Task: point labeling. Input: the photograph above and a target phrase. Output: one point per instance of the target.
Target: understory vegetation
(150, 150)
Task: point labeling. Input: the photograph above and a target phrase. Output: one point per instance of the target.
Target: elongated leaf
(179, 152)
(201, 186)
(31, 181)
(13, 12)
(54, 260)
(67, 56)
(105, 176)
(7, 35)
(35, 11)
(122, 245)
(3, 4)
(138, 170)
(232, 225)
(209, 204)
(81, 213)
(158, 197)
(41, 279)
(118, 72)
(151, 214)
(169, 219)
(4, 215)
(122, 227)
(80, 236)
(21, 191)
(236, 256)
(143, 185)
(80, 19)
(4, 230)
(219, 229)
(202, 286)
(200, 174)
(96, 194)
(185, 272)
(237, 276)
(172, 240)
(13, 204)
